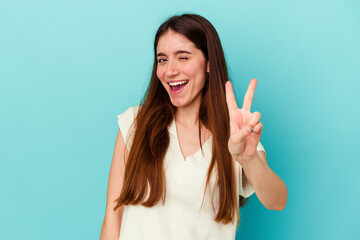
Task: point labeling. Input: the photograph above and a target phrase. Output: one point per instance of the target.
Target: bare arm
(112, 221)
(269, 188)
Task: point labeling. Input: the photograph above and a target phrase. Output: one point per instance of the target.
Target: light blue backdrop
(67, 68)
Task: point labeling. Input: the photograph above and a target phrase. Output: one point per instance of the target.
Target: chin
(177, 103)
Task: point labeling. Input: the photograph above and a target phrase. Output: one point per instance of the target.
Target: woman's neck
(187, 119)
(188, 115)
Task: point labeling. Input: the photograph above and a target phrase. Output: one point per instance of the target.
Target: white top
(181, 216)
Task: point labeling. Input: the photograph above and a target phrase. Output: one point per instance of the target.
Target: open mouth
(178, 86)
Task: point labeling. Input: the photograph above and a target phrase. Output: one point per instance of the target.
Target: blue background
(67, 68)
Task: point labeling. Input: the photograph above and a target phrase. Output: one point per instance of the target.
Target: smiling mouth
(177, 86)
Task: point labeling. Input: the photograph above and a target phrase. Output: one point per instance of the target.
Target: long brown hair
(144, 169)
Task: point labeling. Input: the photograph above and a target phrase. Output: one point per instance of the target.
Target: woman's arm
(112, 220)
(245, 133)
(269, 188)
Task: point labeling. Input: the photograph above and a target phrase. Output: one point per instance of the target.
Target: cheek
(189, 70)
(195, 70)
(159, 72)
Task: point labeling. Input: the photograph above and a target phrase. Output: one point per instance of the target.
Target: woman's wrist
(251, 164)
(245, 160)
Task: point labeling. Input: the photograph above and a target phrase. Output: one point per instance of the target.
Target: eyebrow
(176, 53)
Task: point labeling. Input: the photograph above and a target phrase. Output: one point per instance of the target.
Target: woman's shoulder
(131, 112)
(127, 118)
(126, 123)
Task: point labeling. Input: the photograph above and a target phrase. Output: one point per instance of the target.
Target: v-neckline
(175, 133)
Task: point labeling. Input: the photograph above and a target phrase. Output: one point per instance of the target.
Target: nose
(172, 69)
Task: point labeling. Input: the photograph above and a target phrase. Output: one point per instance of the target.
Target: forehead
(173, 41)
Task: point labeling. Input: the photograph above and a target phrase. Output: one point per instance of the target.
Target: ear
(208, 67)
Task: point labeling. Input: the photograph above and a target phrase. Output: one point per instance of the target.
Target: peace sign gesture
(245, 128)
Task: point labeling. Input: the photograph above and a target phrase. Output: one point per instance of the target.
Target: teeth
(178, 83)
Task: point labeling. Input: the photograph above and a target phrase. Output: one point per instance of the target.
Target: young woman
(186, 158)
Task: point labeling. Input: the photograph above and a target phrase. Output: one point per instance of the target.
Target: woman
(184, 156)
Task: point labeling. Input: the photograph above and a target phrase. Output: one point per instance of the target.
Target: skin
(192, 66)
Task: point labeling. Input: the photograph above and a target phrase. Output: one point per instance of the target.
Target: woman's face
(181, 69)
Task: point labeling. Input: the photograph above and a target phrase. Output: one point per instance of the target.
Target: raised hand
(245, 128)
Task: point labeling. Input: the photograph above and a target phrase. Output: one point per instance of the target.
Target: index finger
(249, 95)
(230, 97)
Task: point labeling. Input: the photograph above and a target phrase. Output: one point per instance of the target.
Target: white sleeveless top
(181, 217)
